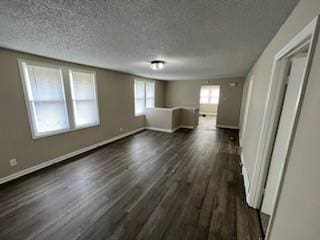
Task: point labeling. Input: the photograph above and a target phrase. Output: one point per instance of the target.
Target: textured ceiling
(199, 39)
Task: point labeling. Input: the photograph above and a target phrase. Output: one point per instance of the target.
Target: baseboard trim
(209, 114)
(245, 179)
(186, 126)
(227, 126)
(66, 156)
(168, 130)
(159, 129)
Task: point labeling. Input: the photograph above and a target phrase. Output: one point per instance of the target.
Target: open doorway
(290, 73)
(293, 78)
(209, 104)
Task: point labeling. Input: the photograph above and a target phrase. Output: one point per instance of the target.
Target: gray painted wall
(187, 94)
(116, 105)
(298, 215)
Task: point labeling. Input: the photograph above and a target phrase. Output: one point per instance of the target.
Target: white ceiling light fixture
(157, 64)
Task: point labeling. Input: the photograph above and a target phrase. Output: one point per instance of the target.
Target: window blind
(84, 98)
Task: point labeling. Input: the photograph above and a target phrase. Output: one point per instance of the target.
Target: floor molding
(169, 130)
(65, 157)
(245, 179)
(159, 129)
(186, 126)
(227, 126)
(209, 114)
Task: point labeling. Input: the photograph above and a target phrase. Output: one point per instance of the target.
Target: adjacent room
(159, 120)
(208, 107)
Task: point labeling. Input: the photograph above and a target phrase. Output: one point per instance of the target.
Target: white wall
(298, 215)
(209, 108)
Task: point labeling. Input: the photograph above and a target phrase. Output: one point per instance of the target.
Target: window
(57, 101)
(209, 94)
(150, 94)
(144, 96)
(84, 100)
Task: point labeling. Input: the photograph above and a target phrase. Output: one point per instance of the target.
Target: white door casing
(285, 128)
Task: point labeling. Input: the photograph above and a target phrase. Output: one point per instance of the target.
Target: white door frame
(246, 111)
(309, 36)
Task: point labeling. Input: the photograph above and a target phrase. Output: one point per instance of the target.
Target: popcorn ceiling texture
(200, 39)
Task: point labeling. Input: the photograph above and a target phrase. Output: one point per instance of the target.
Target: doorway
(209, 105)
(294, 69)
(289, 78)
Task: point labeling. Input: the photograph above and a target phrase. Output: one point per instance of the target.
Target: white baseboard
(227, 126)
(159, 129)
(168, 130)
(209, 114)
(186, 126)
(245, 179)
(64, 157)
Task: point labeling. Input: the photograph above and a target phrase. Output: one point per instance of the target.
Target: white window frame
(145, 95)
(65, 78)
(72, 103)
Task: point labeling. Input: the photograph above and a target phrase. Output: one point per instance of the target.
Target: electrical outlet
(121, 129)
(13, 162)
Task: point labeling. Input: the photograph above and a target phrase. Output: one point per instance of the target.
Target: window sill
(54, 133)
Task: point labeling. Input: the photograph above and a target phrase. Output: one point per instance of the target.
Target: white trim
(309, 33)
(209, 114)
(168, 130)
(65, 81)
(246, 111)
(164, 109)
(70, 99)
(65, 157)
(186, 126)
(175, 129)
(246, 180)
(159, 129)
(227, 126)
(272, 109)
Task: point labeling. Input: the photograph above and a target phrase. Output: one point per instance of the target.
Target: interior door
(284, 132)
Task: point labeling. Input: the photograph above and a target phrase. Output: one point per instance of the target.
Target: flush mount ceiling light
(157, 64)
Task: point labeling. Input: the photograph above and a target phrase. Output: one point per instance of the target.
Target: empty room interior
(159, 120)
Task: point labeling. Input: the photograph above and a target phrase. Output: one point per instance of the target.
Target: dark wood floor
(152, 185)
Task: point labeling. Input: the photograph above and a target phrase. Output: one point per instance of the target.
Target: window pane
(214, 100)
(214, 95)
(50, 116)
(45, 84)
(139, 106)
(85, 107)
(45, 95)
(139, 95)
(150, 89)
(85, 112)
(150, 103)
(205, 92)
(150, 93)
(83, 85)
(204, 100)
